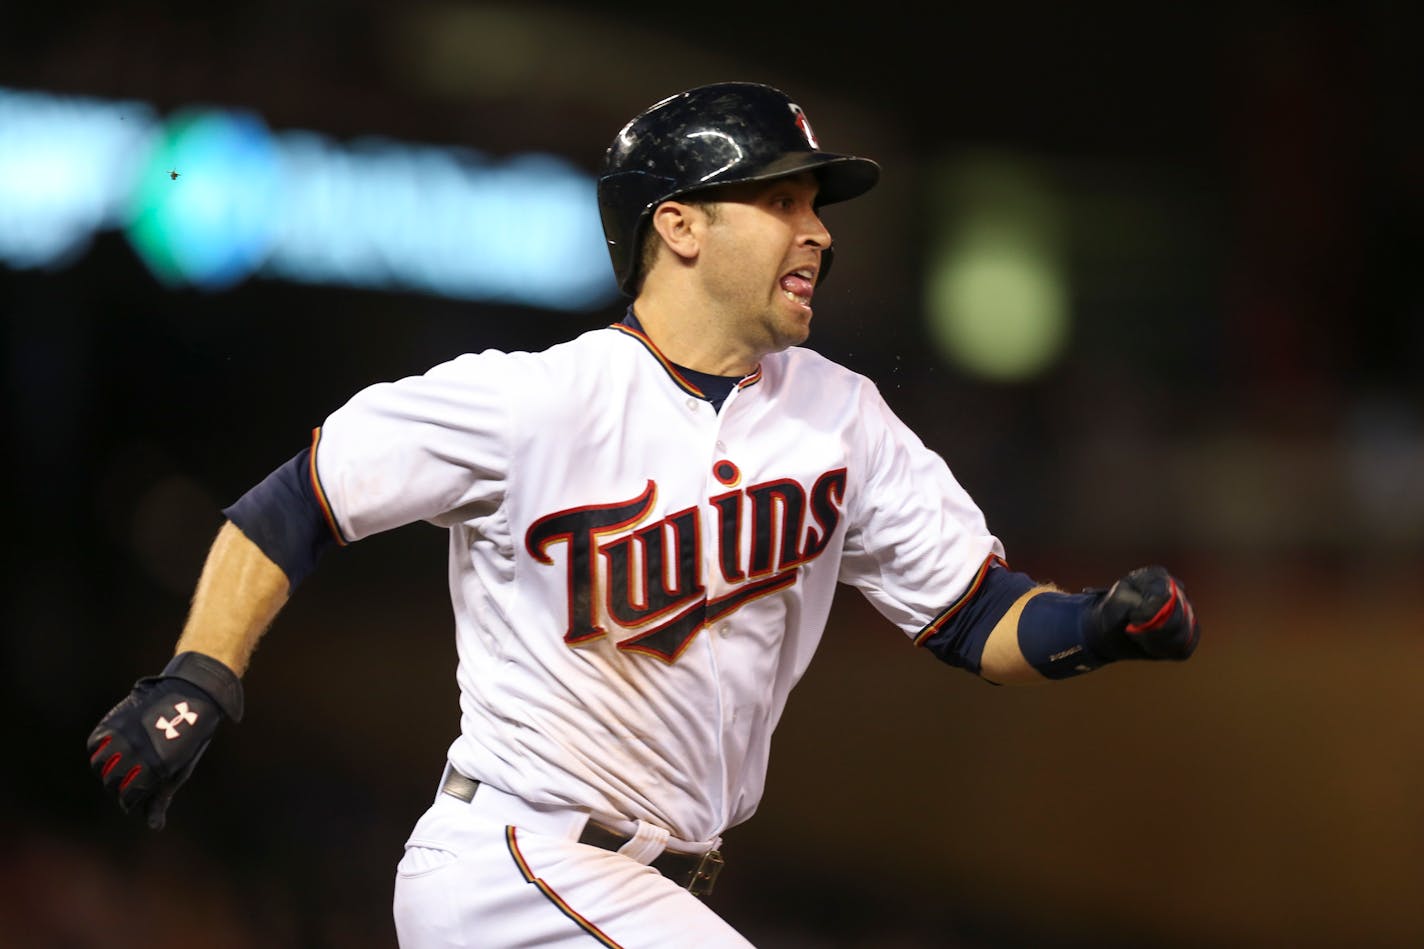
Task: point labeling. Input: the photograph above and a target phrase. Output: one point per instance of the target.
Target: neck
(694, 337)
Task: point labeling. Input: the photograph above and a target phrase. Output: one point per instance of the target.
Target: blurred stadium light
(997, 287)
(64, 166)
(209, 197)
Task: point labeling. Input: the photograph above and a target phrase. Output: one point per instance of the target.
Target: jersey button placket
(717, 637)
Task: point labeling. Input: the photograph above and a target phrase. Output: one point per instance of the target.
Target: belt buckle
(704, 875)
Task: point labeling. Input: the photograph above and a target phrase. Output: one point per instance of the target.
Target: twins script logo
(652, 579)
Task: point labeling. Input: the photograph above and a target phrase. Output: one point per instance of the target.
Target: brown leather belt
(696, 872)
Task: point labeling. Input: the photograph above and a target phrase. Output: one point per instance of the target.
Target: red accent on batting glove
(102, 745)
(1161, 615)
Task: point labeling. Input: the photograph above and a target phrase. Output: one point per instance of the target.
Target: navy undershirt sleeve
(960, 642)
(1054, 634)
(284, 518)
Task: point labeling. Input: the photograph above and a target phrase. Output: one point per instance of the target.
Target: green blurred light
(999, 312)
(202, 211)
(997, 293)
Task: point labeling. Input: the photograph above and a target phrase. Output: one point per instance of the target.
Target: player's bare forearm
(240, 592)
(145, 748)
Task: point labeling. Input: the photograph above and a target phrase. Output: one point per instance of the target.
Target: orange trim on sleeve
(321, 493)
(939, 621)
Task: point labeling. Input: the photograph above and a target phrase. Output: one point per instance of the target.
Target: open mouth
(799, 285)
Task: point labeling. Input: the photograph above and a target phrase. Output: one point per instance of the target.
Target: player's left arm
(1015, 631)
(913, 529)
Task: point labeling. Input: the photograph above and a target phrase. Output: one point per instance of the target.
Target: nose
(815, 235)
(814, 232)
(828, 257)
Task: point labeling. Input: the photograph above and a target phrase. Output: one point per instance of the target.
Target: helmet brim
(841, 177)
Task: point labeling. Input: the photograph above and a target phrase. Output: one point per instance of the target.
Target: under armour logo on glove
(149, 743)
(170, 729)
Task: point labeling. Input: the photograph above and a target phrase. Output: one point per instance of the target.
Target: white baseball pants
(497, 872)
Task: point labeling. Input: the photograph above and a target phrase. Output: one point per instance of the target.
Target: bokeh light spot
(997, 294)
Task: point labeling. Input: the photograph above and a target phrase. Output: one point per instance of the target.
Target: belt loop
(444, 777)
(647, 842)
(457, 785)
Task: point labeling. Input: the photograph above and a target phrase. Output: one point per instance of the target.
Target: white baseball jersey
(638, 579)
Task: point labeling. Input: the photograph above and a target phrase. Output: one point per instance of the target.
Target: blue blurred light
(210, 197)
(67, 164)
(446, 221)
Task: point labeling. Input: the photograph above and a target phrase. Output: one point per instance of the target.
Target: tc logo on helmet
(804, 125)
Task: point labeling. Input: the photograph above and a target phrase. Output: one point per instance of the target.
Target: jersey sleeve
(916, 543)
(432, 447)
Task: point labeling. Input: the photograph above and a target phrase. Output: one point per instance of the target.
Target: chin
(785, 325)
(796, 334)
(801, 325)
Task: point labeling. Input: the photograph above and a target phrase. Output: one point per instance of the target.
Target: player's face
(762, 257)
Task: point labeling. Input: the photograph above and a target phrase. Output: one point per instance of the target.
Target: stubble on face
(752, 243)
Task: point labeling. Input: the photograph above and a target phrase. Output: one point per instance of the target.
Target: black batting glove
(1145, 615)
(149, 743)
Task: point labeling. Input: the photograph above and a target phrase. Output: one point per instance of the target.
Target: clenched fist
(1145, 615)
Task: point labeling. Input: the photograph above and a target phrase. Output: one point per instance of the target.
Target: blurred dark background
(1239, 393)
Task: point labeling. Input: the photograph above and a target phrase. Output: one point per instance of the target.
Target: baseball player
(647, 525)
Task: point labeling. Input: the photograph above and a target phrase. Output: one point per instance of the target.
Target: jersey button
(692, 404)
(721, 446)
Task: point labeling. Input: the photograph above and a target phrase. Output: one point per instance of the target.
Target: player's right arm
(146, 747)
(239, 594)
(428, 447)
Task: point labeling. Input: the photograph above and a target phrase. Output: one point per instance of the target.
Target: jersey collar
(683, 377)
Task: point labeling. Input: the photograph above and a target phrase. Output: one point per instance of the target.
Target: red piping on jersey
(750, 379)
(321, 493)
(512, 841)
(939, 621)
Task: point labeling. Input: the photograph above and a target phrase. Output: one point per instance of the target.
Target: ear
(680, 227)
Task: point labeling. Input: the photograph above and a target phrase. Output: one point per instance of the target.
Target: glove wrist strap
(1056, 635)
(213, 677)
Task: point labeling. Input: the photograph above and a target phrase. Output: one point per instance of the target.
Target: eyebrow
(793, 185)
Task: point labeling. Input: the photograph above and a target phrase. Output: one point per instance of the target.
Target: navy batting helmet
(712, 135)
